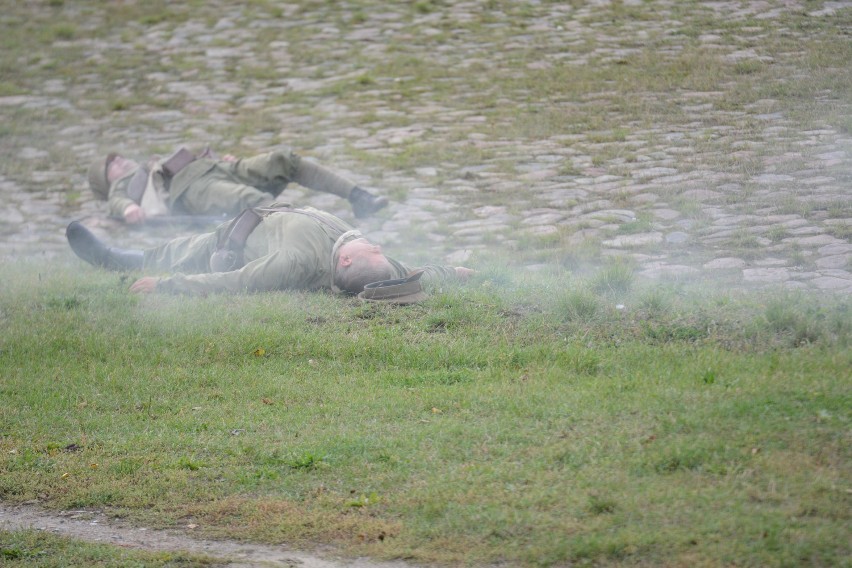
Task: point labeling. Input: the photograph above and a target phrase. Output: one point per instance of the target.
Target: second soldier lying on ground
(189, 184)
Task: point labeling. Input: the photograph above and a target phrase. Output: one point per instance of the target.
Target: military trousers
(187, 255)
(229, 187)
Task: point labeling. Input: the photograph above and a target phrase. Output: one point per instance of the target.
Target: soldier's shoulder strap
(235, 236)
(137, 185)
(229, 248)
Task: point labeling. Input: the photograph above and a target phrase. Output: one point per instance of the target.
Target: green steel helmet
(98, 182)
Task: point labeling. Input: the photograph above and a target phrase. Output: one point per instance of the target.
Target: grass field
(34, 548)
(522, 420)
(555, 411)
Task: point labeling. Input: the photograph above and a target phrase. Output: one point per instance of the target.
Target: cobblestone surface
(739, 194)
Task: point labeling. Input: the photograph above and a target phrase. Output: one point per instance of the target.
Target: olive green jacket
(118, 199)
(204, 187)
(287, 251)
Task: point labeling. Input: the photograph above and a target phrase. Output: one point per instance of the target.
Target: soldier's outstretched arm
(433, 272)
(275, 271)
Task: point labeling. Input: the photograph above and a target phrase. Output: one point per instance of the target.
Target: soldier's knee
(285, 161)
(284, 153)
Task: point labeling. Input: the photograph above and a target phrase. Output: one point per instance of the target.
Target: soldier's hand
(144, 285)
(229, 158)
(134, 214)
(464, 273)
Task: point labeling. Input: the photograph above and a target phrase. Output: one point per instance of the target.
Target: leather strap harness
(170, 168)
(232, 241)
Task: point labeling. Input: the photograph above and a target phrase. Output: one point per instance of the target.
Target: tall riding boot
(126, 259)
(316, 177)
(88, 247)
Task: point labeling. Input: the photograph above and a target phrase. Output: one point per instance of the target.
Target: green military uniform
(289, 250)
(214, 187)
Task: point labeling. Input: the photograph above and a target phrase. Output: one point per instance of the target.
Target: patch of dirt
(94, 526)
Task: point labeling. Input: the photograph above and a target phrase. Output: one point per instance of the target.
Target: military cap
(98, 182)
(399, 291)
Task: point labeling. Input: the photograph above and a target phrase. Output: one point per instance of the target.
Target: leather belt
(177, 161)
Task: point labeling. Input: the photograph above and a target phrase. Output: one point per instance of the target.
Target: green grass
(490, 424)
(37, 548)
(517, 421)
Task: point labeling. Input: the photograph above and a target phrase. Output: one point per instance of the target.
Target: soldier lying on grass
(269, 248)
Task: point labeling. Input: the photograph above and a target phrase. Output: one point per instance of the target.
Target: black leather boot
(365, 203)
(88, 247)
(126, 259)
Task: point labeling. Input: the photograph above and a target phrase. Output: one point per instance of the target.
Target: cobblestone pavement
(737, 193)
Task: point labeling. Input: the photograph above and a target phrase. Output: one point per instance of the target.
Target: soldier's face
(120, 167)
(365, 251)
(362, 247)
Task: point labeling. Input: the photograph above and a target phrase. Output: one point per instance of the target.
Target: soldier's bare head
(360, 262)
